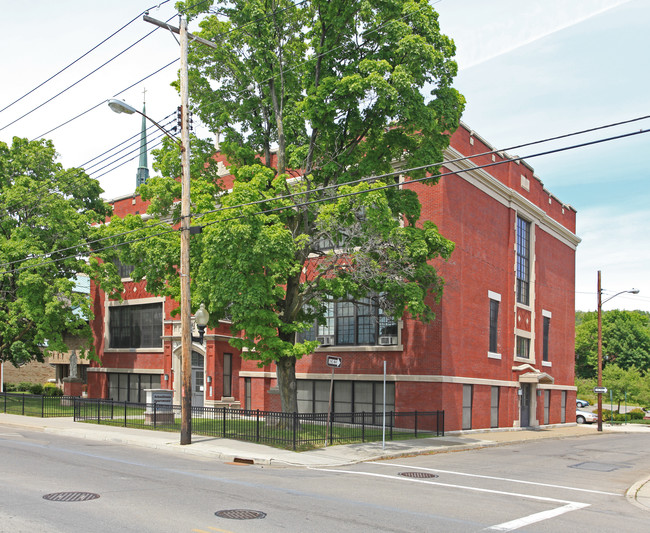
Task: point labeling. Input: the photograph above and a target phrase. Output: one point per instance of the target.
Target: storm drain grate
(419, 475)
(240, 514)
(71, 496)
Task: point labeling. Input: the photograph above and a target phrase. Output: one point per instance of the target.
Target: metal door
(524, 417)
(198, 379)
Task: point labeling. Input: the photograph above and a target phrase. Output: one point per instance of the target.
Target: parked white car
(585, 417)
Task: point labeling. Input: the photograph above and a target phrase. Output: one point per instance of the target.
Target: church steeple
(143, 170)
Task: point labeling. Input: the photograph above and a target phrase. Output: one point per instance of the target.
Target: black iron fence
(297, 431)
(37, 405)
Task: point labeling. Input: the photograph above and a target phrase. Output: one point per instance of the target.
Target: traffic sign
(600, 390)
(334, 361)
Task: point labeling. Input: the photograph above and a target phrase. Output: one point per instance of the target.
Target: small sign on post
(600, 390)
(334, 361)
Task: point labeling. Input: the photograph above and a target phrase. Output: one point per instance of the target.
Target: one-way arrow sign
(334, 361)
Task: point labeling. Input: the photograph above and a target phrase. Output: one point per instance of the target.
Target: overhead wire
(338, 196)
(78, 59)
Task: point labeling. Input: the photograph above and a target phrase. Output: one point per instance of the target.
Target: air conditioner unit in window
(387, 340)
(326, 340)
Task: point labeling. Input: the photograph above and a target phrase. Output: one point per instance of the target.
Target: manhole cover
(598, 467)
(71, 496)
(240, 514)
(419, 475)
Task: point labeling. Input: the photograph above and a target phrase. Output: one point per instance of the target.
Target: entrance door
(524, 417)
(198, 379)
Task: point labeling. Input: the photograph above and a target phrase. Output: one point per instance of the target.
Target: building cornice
(508, 197)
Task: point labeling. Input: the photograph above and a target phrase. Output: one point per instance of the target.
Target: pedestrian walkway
(228, 450)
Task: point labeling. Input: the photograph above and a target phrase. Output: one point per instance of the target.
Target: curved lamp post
(186, 327)
(600, 345)
(120, 106)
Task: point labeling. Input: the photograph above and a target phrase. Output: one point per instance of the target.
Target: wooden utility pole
(186, 300)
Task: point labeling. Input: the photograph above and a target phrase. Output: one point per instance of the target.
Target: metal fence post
(24, 404)
(98, 413)
(392, 419)
(295, 425)
(415, 422)
(363, 427)
(124, 413)
(42, 405)
(257, 426)
(223, 423)
(155, 408)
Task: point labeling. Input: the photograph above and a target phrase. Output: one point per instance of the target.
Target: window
(494, 408)
(124, 387)
(135, 326)
(523, 261)
(563, 408)
(546, 328)
(227, 375)
(523, 347)
(123, 270)
(347, 397)
(353, 323)
(494, 323)
(467, 406)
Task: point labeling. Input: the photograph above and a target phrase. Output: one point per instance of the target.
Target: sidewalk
(228, 450)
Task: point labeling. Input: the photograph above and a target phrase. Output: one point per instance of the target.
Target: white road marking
(498, 478)
(505, 526)
(537, 517)
(451, 485)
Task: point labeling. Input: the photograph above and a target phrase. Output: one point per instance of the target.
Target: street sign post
(600, 390)
(333, 361)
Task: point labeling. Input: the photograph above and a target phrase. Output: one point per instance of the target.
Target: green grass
(308, 436)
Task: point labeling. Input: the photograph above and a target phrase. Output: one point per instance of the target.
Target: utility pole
(186, 301)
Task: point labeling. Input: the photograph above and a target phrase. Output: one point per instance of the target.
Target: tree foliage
(308, 99)
(45, 216)
(625, 340)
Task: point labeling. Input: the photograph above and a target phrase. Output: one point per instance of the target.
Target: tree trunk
(286, 372)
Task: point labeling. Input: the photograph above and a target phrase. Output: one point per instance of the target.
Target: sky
(528, 70)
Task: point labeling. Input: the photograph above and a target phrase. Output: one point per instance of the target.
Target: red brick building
(499, 354)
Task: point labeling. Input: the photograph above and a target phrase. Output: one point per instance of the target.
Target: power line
(441, 163)
(334, 197)
(76, 60)
(78, 81)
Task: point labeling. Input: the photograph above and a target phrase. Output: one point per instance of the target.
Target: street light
(600, 345)
(201, 319)
(186, 327)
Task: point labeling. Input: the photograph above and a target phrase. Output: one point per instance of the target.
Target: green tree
(622, 383)
(308, 98)
(625, 338)
(45, 216)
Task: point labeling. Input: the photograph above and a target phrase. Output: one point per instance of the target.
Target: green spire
(143, 170)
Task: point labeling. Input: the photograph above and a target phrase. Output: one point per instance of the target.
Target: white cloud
(485, 30)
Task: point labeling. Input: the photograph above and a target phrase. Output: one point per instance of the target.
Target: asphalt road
(575, 484)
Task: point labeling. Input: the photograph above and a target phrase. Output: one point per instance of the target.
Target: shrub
(636, 414)
(36, 388)
(50, 389)
(10, 387)
(23, 386)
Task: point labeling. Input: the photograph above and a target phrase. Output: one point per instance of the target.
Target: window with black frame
(353, 323)
(523, 261)
(135, 326)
